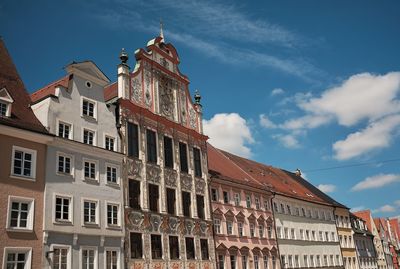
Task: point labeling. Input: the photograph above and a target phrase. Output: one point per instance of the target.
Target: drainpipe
(276, 234)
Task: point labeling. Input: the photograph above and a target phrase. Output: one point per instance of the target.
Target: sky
(313, 85)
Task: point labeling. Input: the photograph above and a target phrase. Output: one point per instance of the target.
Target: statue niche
(166, 93)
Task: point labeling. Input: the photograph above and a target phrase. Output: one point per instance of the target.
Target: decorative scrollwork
(136, 90)
(134, 168)
(153, 173)
(186, 182)
(192, 118)
(170, 177)
(200, 185)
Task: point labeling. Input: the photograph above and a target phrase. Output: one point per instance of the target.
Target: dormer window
(5, 103)
(88, 108)
(3, 109)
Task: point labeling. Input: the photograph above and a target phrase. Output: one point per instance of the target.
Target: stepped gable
(22, 115)
(366, 216)
(50, 89)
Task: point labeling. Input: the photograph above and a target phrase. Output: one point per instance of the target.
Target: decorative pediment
(274, 250)
(256, 250)
(233, 249)
(265, 251)
(221, 247)
(240, 216)
(229, 214)
(218, 212)
(269, 220)
(244, 250)
(261, 219)
(89, 70)
(5, 96)
(252, 218)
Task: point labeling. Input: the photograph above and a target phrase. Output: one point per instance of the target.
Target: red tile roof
(395, 226)
(366, 216)
(50, 90)
(22, 115)
(111, 91)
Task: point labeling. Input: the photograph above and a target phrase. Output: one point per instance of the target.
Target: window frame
(160, 246)
(216, 195)
(150, 196)
(97, 212)
(130, 203)
(113, 226)
(197, 163)
(183, 160)
(186, 248)
(168, 154)
(105, 136)
(141, 245)
(177, 246)
(106, 249)
(96, 256)
(70, 219)
(94, 136)
(30, 216)
(96, 170)
(26, 250)
(89, 100)
(32, 176)
(151, 146)
(117, 174)
(61, 246)
(72, 166)
(71, 131)
(133, 150)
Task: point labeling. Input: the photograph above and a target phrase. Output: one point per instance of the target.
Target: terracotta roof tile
(50, 89)
(111, 91)
(22, 115)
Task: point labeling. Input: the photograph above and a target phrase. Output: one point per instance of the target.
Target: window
(307, 235)
(301, 234)
(64, 130)
(233, 262)
(88, 108)
(186, 203)
(312, 264)
(321, 236)
(20, 213)
(173, 248)
(63, 208)
(338, 260)
(171, 201)
(220, 261)
(113, 214)
(279, 231)
(200, 206)
(244, 262)
(204, 249)
(296, 211)
(133, 140)
(3, 109)
(303, 212)
(248, 201)
(283, 261)
(111, 174)
(24, 162)
(257, 202)
(325, 260)
(286, 233)
(136, 246)
(226, 196)
(168, 152)
(156, 246)
(269, 230)
(190, 254)
(276, 207)
(214, 195)
(16, 258)
(296, 261)
(256, 265)
(251, 229)
(90, 170)
(265, 261)
(112, 259)
(290, 261)
(134, 194)
(88, 258)
(332, 236)
(60, 257)
(305, 257)
(237, 199)
(88, 137)
(240, 229)
(217, 226)
(261, 231)
(64, 163)
(318, 261)
(292, 234)
(289, 211)
(273, 262)
(282, 208)
(89, 212)
(332, 261)
(229, 226)
(197, 162)
(266, 204)
(313, 237)
(109, 143)
(153, 197)
(327, 236)
(183, 157)
(151, 146)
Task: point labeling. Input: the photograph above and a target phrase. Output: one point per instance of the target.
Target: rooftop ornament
(123, 56)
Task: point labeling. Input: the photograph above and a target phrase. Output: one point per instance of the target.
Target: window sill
(32, 179)
(63, 222)
(65, 174)
(115, 228)
(91, 181)
(91, 225)
(19, 230)
(89, 118)
(113, 185)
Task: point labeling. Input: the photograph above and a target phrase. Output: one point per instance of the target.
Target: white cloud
(326, 187)
(266, 122)
(384, 209)
(357, 208)
(376, 181)
(288, 140)
(397, 202)
(377, 135)
(229, 132)
(277, 91)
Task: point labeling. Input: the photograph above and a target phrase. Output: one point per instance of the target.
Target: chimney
(298, 172)
(123, 76)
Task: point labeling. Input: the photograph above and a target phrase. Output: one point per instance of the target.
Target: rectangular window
(221, 262)
(312, 263)
(283, 261)
(290, 261)
(307, 235)
(156, 246)
(173, 248)
(244, 262)
(273, 262)
(24, 162)
(289, 211)
(109, 143)
(217, 226)
(296, 261)
(325, 260)
(190, 254)
(3, 109)
(88, 137)
(151, 146)
(197, 162)
(112, 214)
(111, 259)
(276, 209)
(318, 261)
(89, 212)
(171, 201)
(292, 234)
(256, 265)
(136, 246)
(88, 108)
(269, 230)
(265, 262)
(183, 157)
(17, 258)
(233, 262)
(237, 199)
(60, 258)
(240, 229)
(226, 196)
(153, 197)
(64, 130)
(301, 234)
(111, 174)
(88, 258)
(305, 258)
(168, 152)
(90, 170)
(252, 230)
(200, 206)
(321, 236)
(257, 202)
(266, 204)
(229, 226)
(64, 164)
(327, 236)
(133, 140)
(279, 232)
(204, 249)
(332, 260)
(63, 208)
(261, 230)
(286, 233)
(214, 195)
(186, 203)
(248, 201)
(134, 194)
(20, 213)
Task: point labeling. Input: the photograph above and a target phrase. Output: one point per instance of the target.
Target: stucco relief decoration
(166, 97)
(136, 90)
(134, 219)
(170, 177)
(200, 185)
(192, 118)
(203, 227)
(153, 173)
(181, 227)
(175, 266)
(210, 229)
(148, 98)
(196, 229)
(206, 266)
(192, 265)
(146, 225)
(183, 105)
(165, 224)
(186, 182)
(189, 227)
(164, 62)
(158, 266)
(155, 222)
(173, 224)
(134, 168)
(137, 265)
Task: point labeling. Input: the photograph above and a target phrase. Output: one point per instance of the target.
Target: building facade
(384, 235)
(167, 209)
(243, 220)
(83, 216)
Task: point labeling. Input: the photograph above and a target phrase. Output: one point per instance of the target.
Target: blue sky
(294, 84)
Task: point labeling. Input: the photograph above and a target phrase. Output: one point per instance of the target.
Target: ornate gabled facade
(384, 234)
(167, 210)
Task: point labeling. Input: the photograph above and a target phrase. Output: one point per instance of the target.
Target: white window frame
(70, 209)
(96, 256)
(8, 108)
(215, 225)
(30, 217)
(113, 226)
(32, 177)
(118, 179)
(257, 203)
(94, 108)
(96, 172)
(94, 136)
(28, 253)
(229, 227)
(236, 198)
(97, 212)
(69, 256)
(71, 131)
(72, 166)
(118, 256)
(110, 136)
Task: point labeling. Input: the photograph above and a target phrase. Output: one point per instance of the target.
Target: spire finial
(197, 97)
(161, 29)
(123, 56)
